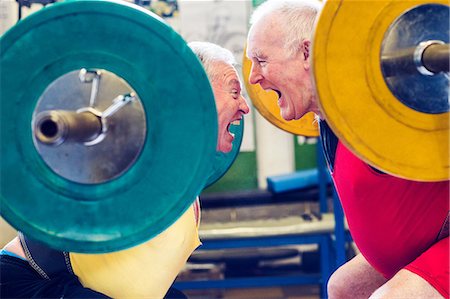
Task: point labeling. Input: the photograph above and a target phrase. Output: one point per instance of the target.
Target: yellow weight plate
(266, 104)
(358, 104)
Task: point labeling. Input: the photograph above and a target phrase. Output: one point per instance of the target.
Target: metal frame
(327, 266)
(331, 247)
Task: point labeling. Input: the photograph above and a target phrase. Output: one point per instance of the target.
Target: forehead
(226, 69)
(265, 38)
(227, 73)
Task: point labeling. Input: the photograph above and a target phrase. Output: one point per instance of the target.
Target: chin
(225, 148)
(287, 117)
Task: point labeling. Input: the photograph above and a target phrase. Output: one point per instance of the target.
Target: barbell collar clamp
(88, 76)
(91, 76)
(118, 103)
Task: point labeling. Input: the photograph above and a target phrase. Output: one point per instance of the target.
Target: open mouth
(228, 129)
(235, 122)
(281, 101)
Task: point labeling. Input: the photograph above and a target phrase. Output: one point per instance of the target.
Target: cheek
(221, 116)
(294, 96)
(269, 73)
(220, 107)
(222, 128)
(226, 109)
(277, 70)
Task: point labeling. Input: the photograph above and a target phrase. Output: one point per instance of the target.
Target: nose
(243, 106)
(255, 74)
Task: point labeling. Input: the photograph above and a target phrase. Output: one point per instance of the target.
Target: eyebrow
(233, 82)
(255, 53)
(259, 55)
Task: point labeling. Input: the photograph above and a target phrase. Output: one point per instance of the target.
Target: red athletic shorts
(433, 265)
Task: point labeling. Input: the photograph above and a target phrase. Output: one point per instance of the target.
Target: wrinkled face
(274, 68)
(230, 104)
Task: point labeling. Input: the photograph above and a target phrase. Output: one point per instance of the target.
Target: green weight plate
(174, 163)
(223, 161)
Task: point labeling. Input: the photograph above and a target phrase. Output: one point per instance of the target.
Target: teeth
(236, 122)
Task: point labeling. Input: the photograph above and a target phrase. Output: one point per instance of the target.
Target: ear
(306, 47)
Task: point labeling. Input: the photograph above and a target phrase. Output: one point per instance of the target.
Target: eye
(261, 62)
(236, 93)
(258, 61)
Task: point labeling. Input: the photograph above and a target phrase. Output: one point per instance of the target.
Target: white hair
(209, 54)
(296, 16)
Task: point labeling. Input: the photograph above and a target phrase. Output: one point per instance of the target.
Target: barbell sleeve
(428, 58)
(54, 127)
(435, 58)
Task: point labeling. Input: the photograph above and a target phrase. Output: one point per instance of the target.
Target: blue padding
(294, 181)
